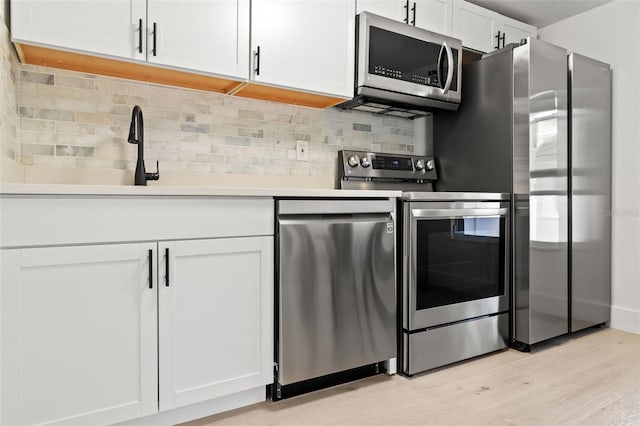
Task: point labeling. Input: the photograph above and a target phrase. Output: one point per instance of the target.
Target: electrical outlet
(302, 150)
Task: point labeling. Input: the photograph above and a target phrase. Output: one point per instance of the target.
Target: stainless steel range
(453, 260)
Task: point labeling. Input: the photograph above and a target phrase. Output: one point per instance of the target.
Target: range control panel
(377, 166)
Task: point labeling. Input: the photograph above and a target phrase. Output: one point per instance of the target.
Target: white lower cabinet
(79, 334)
(216, 312)
(96, 330)
(91, 333)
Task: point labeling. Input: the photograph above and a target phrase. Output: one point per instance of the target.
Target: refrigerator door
(540, 190)
(590, 118)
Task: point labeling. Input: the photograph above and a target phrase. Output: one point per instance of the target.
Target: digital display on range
(391, 163)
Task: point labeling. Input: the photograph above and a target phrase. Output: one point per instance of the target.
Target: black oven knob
(364, 162)
(430, 165)
(353, 160)
(419, 165)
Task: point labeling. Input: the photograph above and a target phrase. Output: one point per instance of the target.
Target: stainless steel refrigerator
(590, 184)
(535, 122)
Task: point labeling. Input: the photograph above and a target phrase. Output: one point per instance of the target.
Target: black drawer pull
(413, 9)
(155, 36)
(166, 267)
(150, 268)
(140, 35)
(258, 60)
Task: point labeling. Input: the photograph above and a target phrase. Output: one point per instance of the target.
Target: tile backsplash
(72, 120)
(9, 98)
(69, 119)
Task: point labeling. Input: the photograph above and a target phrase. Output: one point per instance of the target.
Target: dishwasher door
(337, 295)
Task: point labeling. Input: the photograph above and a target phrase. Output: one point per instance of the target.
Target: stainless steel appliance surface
(456, 256)
(512, 131)
(453, 254)
(455, 279)
(590, 201)
(336, 286)
(404, 70)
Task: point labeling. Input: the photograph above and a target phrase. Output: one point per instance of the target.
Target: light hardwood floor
(591, 378)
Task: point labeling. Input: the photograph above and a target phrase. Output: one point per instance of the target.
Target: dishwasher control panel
(373, 166)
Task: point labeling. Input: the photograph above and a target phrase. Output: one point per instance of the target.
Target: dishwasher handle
(337, 207)
(324, 220)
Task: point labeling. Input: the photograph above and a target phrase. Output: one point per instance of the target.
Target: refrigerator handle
(447, 83)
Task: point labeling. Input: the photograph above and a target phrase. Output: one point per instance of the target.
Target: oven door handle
(456, 213)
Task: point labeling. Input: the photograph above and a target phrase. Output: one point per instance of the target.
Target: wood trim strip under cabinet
(42, 56)
(54, 58)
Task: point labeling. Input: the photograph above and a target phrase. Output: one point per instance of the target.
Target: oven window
(459, 260)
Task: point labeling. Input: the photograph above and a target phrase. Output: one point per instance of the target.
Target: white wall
(611, 33)
(4, 11)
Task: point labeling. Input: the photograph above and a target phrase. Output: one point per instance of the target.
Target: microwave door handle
(439, 66)
(447, 84)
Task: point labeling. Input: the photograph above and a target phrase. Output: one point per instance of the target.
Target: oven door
(456, 261)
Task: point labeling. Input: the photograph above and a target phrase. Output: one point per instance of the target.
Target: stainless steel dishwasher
(336, 291)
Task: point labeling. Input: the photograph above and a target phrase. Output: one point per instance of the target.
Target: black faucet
(141, 176)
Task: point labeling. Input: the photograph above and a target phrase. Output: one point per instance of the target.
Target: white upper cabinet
(474, 26)
(107, 27)
(483, 30)
(432, 15)
(392, 9)
(308, 45)
(512, 31)
(204, 36)
(208, 36)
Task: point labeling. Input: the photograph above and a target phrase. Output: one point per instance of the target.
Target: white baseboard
(201, 409)
(625, 319)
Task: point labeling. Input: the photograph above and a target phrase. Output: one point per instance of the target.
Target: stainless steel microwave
(404, 70)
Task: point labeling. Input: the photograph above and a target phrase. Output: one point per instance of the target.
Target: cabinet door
(207, 36)
(514, 31)
(392, 9)
(433, 15)
(79, 334)
(107, 27)
(216, 318)
(306, 45)
(474, 26)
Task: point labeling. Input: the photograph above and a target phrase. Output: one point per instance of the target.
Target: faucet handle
(154, 176)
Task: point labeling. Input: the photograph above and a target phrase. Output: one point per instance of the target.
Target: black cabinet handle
(257, 61)
(155, 36)
(150, 268)
(500, 36)
(140, 35)
(166, 267)
(413, 9)
(406, 12)
(497, 46)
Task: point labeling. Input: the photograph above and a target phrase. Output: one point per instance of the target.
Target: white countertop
(191, 191)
